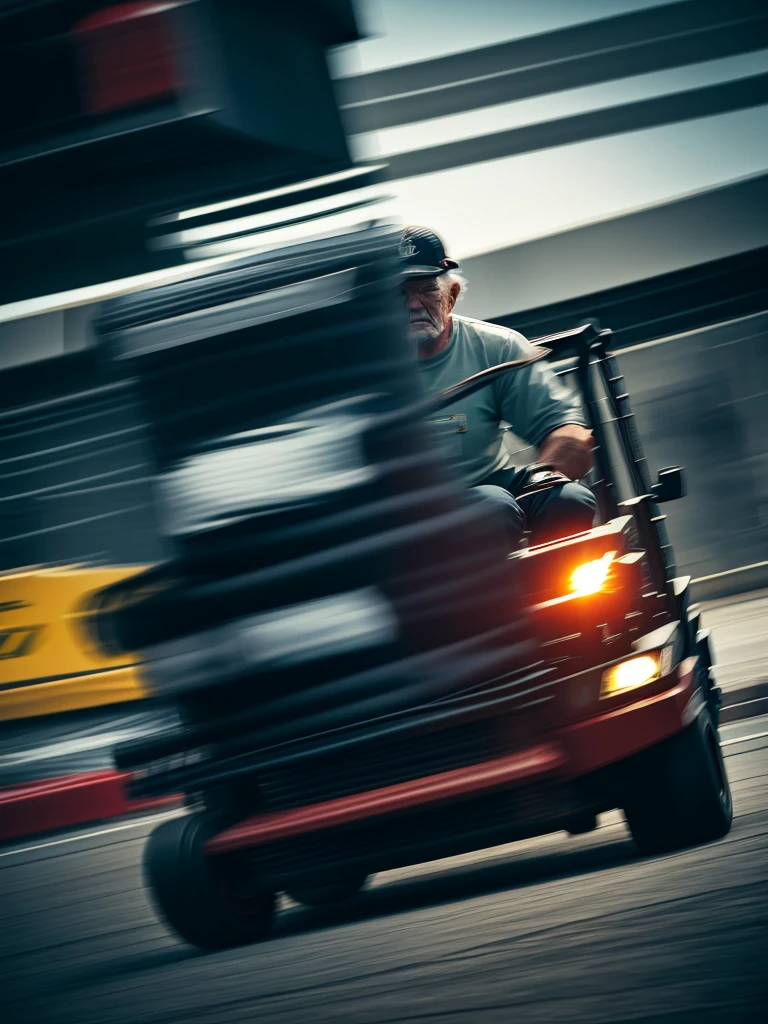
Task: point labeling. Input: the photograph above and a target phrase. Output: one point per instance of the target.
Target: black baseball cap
(422, 254)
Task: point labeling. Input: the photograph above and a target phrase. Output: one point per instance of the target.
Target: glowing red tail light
(126, 55)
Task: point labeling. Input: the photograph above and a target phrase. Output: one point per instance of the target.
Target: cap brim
(423, 271)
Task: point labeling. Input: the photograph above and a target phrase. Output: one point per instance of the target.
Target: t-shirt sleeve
(533, 400)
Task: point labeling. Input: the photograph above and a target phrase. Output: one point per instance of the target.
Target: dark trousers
(546, 515)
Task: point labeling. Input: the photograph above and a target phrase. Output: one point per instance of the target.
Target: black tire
(330, 892)
(211, 902)
(681, 796)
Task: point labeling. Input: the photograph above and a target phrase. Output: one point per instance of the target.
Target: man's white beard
(422, 331)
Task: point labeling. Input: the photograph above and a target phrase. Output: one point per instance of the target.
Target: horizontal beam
(599, 51)
(690, 104)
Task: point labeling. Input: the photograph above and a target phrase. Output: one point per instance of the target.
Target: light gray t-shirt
(531, 400)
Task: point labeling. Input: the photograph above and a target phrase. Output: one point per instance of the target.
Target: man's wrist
(539, 477)
(568, 450)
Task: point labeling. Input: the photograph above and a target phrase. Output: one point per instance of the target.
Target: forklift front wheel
(211, 902)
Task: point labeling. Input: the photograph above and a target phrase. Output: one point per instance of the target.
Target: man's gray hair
(446, 280)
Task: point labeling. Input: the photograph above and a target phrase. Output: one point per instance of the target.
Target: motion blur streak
(235, 572)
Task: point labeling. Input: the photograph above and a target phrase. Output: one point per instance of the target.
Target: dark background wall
(74, 472)
(701, 401)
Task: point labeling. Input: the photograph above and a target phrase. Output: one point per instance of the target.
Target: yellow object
(590, 577)
(629, 674)
(48, 663)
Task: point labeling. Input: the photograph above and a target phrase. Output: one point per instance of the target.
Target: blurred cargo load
(316, 536)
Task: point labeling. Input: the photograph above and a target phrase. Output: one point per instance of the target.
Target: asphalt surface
(552, 929)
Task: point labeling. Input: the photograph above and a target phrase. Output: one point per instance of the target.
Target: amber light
(591, 577)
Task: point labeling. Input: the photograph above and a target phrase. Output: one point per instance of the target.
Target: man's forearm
(568, 449)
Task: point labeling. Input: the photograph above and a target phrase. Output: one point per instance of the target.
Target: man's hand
(568, 449)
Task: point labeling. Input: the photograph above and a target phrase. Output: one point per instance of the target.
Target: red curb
(69, 800)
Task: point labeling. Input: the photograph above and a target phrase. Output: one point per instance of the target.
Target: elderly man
(538, 407)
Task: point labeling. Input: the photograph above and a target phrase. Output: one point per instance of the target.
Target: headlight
(634, 672)
(590, 577)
